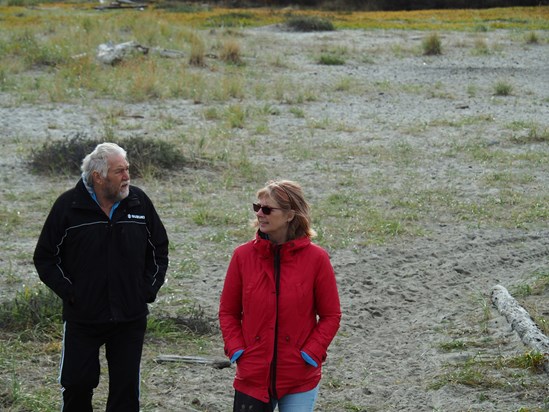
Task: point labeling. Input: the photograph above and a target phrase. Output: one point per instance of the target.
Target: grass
(231, 53)
(503, 88)
(33, 313)
(532, 38)
(67, 49)
(32, 333)
(309, 23)
(432, 45)
(481, 48)
(331, 60)
(525, 18)
(529, 294)
(531, 133)
(477, 371)
(478, 366)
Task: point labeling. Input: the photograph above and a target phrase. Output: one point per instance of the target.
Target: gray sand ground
(402, 299)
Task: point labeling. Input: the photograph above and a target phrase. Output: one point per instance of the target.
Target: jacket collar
(266, 248)
(83, 199)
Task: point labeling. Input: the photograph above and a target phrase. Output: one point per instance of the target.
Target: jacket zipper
(275, 351)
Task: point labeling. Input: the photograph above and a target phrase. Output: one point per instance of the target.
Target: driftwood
(121, 4)
(521, 322)
(216, 363)
(108, 53)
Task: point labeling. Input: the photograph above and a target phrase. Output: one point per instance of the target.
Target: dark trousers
(80, 367)
(245, 403)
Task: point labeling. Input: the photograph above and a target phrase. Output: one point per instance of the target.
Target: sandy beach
(399, 122)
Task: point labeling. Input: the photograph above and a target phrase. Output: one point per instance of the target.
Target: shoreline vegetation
(207, 17)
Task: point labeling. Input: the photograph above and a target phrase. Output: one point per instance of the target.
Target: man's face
(116, 185)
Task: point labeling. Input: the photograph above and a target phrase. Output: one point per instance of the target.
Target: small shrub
(231, 52)
(61, 155)
(532, 38)
(330, 60)
(481, 48)
(432, 45)
(211, 113)
(309, 23)
(502, 88)
(152, 157)
(480, 28)
(197, 57)
(236, 116)
(146, 156)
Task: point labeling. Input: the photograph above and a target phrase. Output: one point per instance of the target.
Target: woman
(279, 308)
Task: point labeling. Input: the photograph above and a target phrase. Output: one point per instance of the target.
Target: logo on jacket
(130, 216)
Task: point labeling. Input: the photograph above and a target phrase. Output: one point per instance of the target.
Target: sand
(404, 299)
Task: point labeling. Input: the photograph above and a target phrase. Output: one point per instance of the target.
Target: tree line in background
(381, 5)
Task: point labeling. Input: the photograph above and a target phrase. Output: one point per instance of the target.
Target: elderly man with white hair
(104, 251)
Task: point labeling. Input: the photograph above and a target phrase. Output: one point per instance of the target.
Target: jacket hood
(265, 248)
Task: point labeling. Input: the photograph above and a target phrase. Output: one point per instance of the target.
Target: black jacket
(104, 270)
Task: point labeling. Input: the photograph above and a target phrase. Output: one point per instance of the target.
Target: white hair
(98, 161)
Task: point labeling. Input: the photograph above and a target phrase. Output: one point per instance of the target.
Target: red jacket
(273, 331)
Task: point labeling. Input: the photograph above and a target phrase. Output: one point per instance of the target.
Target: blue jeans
(297, 402)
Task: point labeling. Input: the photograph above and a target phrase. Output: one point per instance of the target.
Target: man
(104, 250)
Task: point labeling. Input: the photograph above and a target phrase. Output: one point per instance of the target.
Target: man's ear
(96, 177)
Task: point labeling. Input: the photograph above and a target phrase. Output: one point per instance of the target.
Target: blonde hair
(289, 196)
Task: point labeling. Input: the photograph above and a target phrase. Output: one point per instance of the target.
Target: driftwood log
(521, 322)
(216, 363)
(108, 53)
(121, 4)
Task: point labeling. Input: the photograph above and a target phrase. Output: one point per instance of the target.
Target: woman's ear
(291, 215)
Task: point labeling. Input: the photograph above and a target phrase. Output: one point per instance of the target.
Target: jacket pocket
(253, 367)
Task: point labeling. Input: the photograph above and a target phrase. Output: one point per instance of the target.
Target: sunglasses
(265, 209)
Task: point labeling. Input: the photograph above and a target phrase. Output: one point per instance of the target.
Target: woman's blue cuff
(308, 359)
(236, 355)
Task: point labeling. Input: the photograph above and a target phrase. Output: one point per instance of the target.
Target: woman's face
(276, 223)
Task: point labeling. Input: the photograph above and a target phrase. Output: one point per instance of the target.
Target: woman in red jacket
(279, 309)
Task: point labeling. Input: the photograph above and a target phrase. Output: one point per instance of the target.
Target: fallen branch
(173, 54)
(216, 363)
(521, 322)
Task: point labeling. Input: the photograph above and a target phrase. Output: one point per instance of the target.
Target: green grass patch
(236, 19)
(331, 60)
(306, 23)
(503, 88)
(34, 313)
